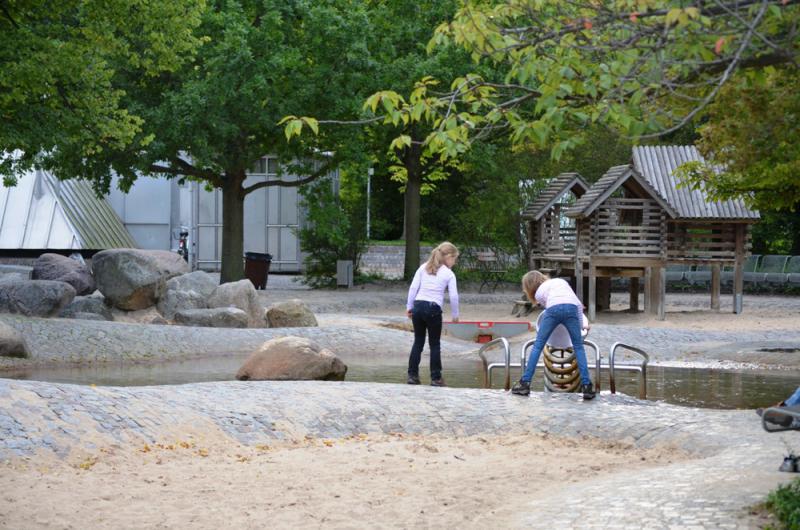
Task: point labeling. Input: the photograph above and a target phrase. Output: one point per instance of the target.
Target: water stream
(695, 387)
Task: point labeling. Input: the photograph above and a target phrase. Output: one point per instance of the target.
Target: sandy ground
(377, 481)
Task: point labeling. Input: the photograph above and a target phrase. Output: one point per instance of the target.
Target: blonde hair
(438, 255)
(531, 282)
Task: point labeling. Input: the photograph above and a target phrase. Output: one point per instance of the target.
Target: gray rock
(187, 291)
(292, 358)
(87, 316)
(220, 317)
(130, 279)
(198, 281)
(51, 266)
(15, 272)
(87, 304)
(241, 295)
(170, 264)
(40, 298)
(290, 314)
(12, 344)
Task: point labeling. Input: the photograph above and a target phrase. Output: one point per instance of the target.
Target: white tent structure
(42, 213)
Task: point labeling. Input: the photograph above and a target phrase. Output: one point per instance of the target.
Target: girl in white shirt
(424, 308)
(561, 306)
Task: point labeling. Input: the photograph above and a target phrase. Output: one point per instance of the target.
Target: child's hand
(455, 319)
(408, 313)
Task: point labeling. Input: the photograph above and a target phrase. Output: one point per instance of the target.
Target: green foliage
(59, 89)
(334, 230)
(785, 503)
(752, 133)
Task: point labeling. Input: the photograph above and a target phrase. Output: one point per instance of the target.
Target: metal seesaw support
(612, 367)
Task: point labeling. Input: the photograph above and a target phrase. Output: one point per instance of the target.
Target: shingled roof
(608, 184)
(658, 163)
(553, 192)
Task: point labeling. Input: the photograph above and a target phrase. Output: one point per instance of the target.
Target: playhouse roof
(42, 212)
(658, 163)
(608, 184)
(553, 192)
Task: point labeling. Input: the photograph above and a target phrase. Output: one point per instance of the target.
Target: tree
(752, 133)
(397, 49)
(648, 67)
(210, 119)
(57, 82)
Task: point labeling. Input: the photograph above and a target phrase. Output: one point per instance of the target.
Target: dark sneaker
(413, 380)
(587, 391)
(521, 388)
(789, 465)
(438, 382)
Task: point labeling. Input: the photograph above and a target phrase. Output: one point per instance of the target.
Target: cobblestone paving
(732, 464)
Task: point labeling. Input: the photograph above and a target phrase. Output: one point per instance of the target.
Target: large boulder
(12, 344)
(220, 317)
(133, 279)
(38, 298)
(187, 291)
(170, 264)
(87, 304)
(241, 295)
(291, 359)
(51, 266)
(290, 314)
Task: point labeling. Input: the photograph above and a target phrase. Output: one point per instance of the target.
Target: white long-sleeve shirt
(431, 287)
(556, 291)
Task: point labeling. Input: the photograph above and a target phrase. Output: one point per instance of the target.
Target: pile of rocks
(155, 285)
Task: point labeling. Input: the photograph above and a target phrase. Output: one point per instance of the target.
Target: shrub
(784, 502)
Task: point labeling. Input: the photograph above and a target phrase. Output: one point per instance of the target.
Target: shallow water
(695, 387)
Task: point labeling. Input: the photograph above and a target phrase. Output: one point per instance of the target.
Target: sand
(384, 481)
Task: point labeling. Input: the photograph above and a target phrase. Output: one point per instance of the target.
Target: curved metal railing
(642, 369)
(487, 368)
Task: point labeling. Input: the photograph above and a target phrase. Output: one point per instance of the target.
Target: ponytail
(438, 255)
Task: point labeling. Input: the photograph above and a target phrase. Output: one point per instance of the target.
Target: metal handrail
(506, 364)
(642, 369)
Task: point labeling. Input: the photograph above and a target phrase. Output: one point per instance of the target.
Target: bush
(331, 233)
(784, 502)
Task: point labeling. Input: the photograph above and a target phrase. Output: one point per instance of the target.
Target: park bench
(490, 269)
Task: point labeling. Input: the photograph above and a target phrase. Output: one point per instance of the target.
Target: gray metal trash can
(256, 268)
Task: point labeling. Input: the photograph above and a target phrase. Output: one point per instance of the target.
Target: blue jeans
(426, 317)
(571, 317)
(794, 399)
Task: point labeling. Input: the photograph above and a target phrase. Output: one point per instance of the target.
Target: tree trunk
(411, 161)
(232, 228)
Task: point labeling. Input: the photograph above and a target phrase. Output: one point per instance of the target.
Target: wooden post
(579, 280)
(738, 273)
(715, 288)
(592, 292)
(634, 295)
(656, 300)
(662, 292)
(647, 273)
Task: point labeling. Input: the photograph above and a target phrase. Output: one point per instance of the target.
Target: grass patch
(784, 503)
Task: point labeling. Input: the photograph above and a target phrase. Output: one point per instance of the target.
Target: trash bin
(256, 268)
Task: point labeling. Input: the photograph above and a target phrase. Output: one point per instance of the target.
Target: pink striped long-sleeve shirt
(431, 287)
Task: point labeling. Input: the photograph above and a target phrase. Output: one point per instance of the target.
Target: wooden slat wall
(605, 236)
(704, 241)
